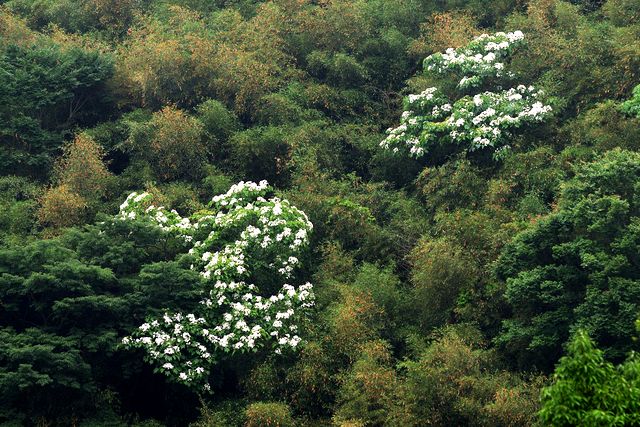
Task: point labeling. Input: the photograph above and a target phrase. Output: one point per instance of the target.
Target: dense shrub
(441, 273)
(172, 143)
(269, 414)
(457, 381)
(18, 206)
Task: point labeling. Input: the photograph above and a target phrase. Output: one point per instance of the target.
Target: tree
(116, 16)
(66, 304)
(577, 267)
(172, 143)
(441, 272)
(218, 125)
(185, 59)
(262, 152)
(58, 317)
(589, 391)
(18, 206)
(82, 168)
(37, 370)
(45, 90)
(62, 207)
(367, 388)
(269, 414)
(474, 119)
(82, 180)
(243, 238)
(443, 30)
(458, 381)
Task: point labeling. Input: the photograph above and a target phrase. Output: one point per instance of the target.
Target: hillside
(319, 212)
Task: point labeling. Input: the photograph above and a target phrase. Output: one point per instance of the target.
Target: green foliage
(456, 184)
(340, 214)
(339, 69)
(578, 58)
(622, 12)
(110, 17)
(456, 382)
(66, 14)
(441, 272)
(283, 108)
(269, 414)
(262, 153)
(18, 205)
(632, 106)
(172, 143)
(218, 125)
(528, 184)
(605, 127)
(45, 90)
(575, 267)
(589, 391)
(383, 286)
(367, 389)
(38, 369)
(227, 413)
(182, 98)
(69, 302)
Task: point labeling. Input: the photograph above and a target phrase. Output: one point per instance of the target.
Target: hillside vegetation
(319, 213)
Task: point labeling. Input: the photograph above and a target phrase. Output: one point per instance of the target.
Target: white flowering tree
(477, 118)
(243, 233)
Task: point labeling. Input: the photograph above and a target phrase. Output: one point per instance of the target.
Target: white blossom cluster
(474, 121)
(167, 220)
(482, 58)
(241, 231)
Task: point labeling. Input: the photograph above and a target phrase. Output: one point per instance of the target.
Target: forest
(345, 213)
